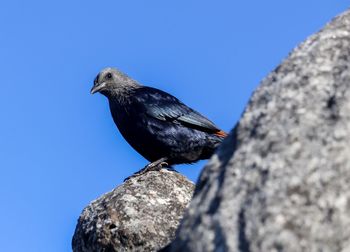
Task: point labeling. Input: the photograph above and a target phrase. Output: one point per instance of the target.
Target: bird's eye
(109, 76)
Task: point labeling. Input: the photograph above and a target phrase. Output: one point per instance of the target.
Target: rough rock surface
(281, 181)
(140, 215)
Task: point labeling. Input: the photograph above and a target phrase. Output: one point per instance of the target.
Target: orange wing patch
(221, 133)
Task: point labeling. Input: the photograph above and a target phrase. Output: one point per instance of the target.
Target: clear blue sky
(59, 148)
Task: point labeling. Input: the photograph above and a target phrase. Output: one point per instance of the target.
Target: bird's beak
(98, 88)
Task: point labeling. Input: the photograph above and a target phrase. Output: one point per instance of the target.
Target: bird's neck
(121, 95)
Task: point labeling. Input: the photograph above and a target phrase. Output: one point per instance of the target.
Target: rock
(281, 180)
(140, 215)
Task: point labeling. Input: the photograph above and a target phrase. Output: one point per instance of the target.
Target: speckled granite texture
(140, 215)
(281, 181)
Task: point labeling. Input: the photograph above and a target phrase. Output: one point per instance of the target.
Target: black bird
(156, 124)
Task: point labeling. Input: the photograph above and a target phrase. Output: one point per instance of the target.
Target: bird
(155, 123)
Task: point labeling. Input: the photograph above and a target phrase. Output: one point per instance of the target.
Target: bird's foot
(154, 166)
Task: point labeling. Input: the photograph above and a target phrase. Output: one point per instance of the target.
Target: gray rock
(140, 215)
(281, 181)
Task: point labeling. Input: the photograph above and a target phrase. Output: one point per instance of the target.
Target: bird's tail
(221, 133)
(217, 138)
(214, 140)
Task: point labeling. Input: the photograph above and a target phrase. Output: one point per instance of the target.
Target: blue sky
(59, 148)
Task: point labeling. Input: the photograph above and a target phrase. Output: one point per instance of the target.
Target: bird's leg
(154, 166)
(157, 165)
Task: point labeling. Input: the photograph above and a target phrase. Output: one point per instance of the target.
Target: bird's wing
(163, 106)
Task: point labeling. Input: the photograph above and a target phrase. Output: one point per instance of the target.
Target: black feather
(166, 107)
(156, 124)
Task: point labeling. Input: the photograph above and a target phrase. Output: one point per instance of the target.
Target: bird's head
(111, 81)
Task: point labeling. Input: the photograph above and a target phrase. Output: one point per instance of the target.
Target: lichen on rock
(140, 215)
(281, 180)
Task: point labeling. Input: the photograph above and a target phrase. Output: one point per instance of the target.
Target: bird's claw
(150, 167)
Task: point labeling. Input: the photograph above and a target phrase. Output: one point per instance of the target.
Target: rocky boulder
(281, 180)
(140, 215)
